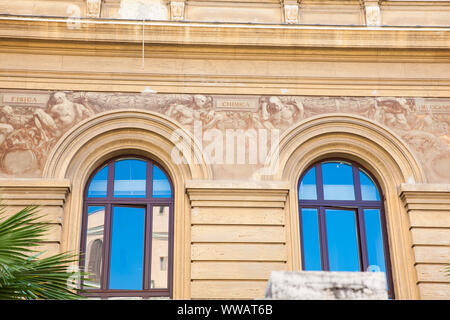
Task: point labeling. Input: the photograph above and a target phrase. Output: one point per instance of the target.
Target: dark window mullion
(323, 239)
(107, 232)
(342, 203)
(149, 180)
(357, 184)
(136, 201)
(319, 182)
(362, 239)
(148, 247)
(110, 182)
(302, 238)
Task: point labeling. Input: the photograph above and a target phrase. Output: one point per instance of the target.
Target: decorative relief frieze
(31, 123)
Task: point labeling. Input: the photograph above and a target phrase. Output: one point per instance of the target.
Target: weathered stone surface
(323, 285)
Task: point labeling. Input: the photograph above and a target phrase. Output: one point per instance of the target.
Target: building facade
(214, 130)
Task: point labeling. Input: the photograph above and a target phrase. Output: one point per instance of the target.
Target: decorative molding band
(223, 34)
(212, 84)
(268, 194)
(43, 192)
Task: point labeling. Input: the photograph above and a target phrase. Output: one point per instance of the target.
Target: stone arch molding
(347, 135)
(374, 147)
(89, 144)
(109, 132)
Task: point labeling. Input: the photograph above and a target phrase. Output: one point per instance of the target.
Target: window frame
(148, 203)
(358, 206)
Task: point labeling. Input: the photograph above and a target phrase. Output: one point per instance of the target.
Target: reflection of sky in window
(130, 178)
(307, 189)
(375, 249)
(311, 243)
(97, 188)
(127, 248)
(342, 240)
(337, 181)
(161, 185)
(368, 189)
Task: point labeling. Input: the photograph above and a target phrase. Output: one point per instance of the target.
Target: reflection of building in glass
(94, 246)
(160, 246)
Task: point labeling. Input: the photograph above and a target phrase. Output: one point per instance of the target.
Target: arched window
(342, 222)
(127, 230)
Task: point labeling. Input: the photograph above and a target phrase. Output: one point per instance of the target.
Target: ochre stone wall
(82, 88)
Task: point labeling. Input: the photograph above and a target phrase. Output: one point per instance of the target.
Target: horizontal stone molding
(268, 194)
(105, 30)
(34, 191)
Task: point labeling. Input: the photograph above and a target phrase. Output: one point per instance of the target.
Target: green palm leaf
(24, 275)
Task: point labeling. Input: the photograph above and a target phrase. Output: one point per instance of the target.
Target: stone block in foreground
(326, 285)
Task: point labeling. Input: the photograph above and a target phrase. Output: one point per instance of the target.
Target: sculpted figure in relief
(183, 114)
(60, 116)
(27, 133)
(210, 118)
(276, 113)
(392, 112)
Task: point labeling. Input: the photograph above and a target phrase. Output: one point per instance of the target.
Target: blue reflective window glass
(311, 241)
(127, 248)
(342, 240)
(98, 186)
(338, 181)
(369, 192)
(375, 248)
(161, 185)
(130, 178)
(307, 189)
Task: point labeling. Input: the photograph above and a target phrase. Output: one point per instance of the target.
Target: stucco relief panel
(31, 122)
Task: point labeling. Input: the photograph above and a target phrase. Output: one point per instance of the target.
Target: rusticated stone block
(325, 285)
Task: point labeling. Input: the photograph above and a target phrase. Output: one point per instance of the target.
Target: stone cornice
(425, 197)
(38, 185)
(231, 34)
(223, 193)
(34, 191)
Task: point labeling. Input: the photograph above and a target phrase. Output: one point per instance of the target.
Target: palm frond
(27, 276)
